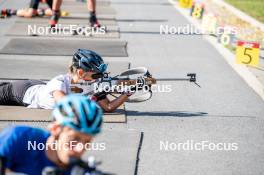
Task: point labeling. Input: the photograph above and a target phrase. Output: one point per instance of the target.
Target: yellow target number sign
(247, 53)
(197, 10)
(186, 3)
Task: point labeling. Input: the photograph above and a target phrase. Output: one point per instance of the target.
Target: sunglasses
(97, 75)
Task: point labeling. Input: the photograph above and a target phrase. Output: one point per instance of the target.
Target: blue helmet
(79, 113)
(89, 61)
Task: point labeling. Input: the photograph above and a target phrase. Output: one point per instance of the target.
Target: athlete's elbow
(109, 109)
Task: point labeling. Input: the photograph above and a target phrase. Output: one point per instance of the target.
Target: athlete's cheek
(87, 78)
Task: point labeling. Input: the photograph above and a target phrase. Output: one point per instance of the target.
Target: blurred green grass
(254, 8)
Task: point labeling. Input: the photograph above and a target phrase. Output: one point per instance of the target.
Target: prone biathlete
(37, 94)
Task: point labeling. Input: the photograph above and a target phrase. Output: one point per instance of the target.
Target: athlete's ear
(80, 72)
(55, 129)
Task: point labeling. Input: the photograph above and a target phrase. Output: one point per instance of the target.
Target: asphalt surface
(224, 110)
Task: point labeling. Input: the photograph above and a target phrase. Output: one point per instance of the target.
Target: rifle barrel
(173, 79)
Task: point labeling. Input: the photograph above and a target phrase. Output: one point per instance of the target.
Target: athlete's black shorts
(12, 93)
(35, 3)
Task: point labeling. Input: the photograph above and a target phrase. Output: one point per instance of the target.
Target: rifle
(137, 79)
(78, 167)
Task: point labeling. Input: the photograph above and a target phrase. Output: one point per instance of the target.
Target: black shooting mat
(46, 67)
(64, 47)
(76, 31)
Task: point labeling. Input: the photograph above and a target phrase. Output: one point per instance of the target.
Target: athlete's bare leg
(55, 12)
(91, 5)
(56, 5)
